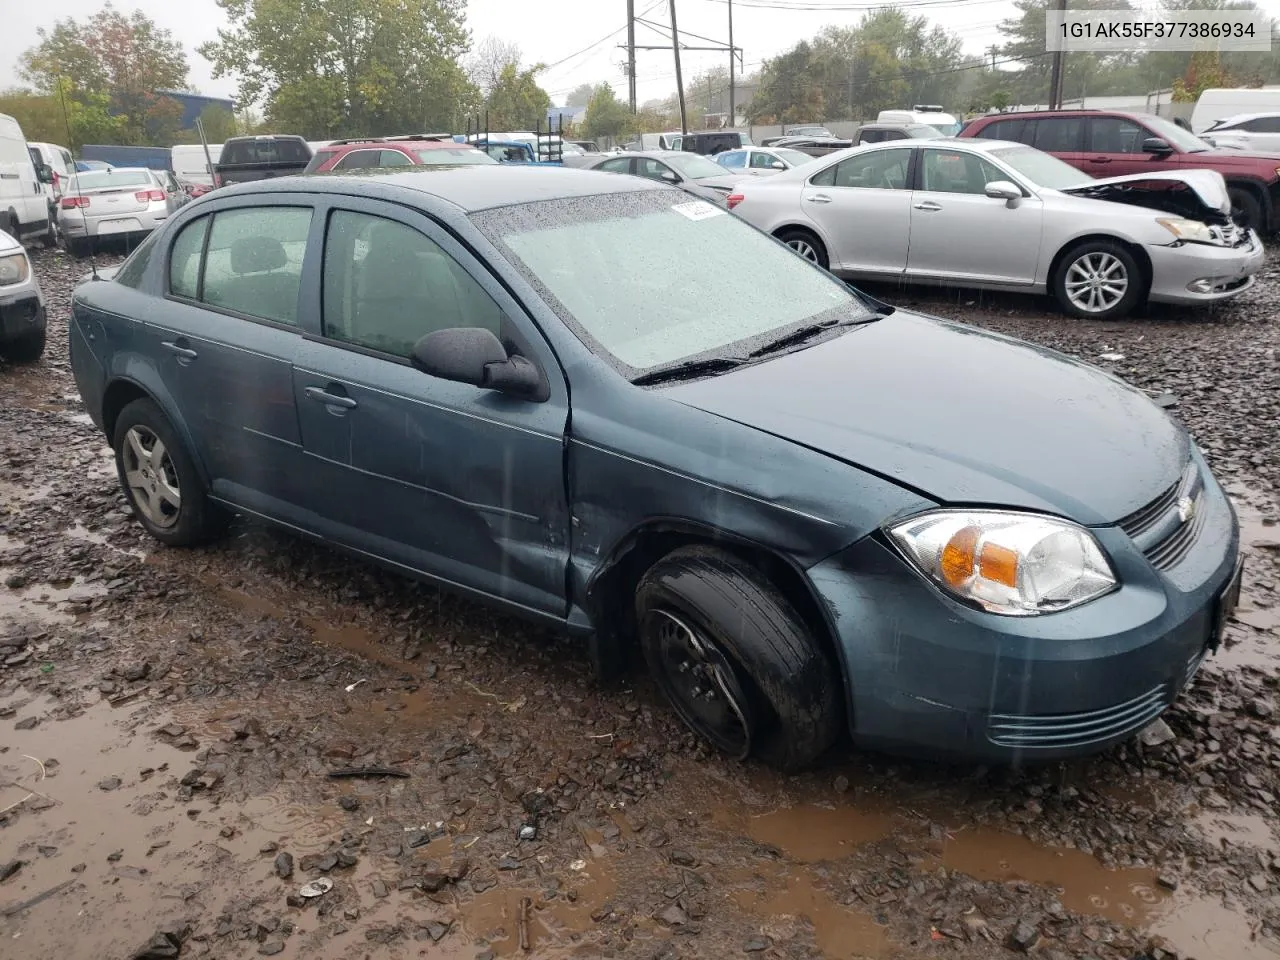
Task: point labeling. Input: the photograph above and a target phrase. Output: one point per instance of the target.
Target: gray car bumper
(1200, 273)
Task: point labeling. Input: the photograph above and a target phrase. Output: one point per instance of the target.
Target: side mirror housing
(474, 355)
(1156, 145)
(777, 165)
(670, 177)
(1003, 190)
(44, 173)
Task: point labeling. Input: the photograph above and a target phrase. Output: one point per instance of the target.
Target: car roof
(660, 154)
(471, 188)
(383, 143)
(1079, 112)
(1244, 117)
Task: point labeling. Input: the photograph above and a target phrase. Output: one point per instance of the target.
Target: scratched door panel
(457, 482)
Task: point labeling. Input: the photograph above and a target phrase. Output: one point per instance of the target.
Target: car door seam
(705, 483)
(271, 436)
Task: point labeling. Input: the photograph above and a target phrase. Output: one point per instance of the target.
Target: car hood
(1239, 158)
(8, 244)
(1207, 187)
(961, 415)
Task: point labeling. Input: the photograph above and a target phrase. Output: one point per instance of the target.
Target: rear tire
(160, 480)
(737, 662)
(76, 248)
(52, 235)
(1246, 209)
(806, 244)
(1120, 282)
(24, 348)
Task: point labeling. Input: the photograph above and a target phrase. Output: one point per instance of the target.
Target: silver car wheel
(805, 249)
(152, 477)
(1096, 282)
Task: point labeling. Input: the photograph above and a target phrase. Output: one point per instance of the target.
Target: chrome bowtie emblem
(1186, 509)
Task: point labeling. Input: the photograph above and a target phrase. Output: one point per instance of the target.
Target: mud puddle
(840, 932)
(47, 603)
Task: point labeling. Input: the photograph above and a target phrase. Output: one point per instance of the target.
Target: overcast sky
(555, 33)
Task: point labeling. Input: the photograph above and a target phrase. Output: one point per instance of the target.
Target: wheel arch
(1258, 190)
(123, 390)
(1139, 255)
(610, 591)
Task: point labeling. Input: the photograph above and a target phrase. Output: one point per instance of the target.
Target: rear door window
(358, 160)
(253, 261)
(1019, 131)
(1059, 134)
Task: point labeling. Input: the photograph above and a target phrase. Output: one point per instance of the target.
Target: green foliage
(110, 68)
(607, 116)
(219, 124)
(516, 102)
(580, 96)
(329, 68)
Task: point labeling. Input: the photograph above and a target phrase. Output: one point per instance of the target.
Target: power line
(607, 37)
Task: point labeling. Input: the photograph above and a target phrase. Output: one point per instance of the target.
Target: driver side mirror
(1003, 190)
(669, 176)
(474, 355)
(44, 173)
(777, 165)
(1156, 145)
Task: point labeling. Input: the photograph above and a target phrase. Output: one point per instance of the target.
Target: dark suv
(1110, 143)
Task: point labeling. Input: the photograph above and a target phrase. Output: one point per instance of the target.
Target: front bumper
(1200, 273)
(929, 676)
(21, 312)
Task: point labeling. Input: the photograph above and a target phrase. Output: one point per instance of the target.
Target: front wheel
(738, 664)
(1246, 209)
(160, 479)
(1098, 280)
(807, 245)
(52, 235)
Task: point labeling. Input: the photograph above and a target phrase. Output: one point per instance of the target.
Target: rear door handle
(330, 399)
(182, 353)
(928, 205)
(1099, 159)
(819, 198)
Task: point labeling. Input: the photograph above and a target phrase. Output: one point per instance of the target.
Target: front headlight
(1191, 230)
(1016, 564)
(13, 269)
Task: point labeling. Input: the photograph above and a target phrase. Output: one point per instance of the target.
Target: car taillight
(217, 179)
(146, 196)
(70, 203)
(734, 199)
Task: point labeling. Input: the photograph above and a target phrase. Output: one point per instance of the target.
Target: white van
(933, 116)
(191, 167)
(59, 161)
(1218, 103)
(24, 207)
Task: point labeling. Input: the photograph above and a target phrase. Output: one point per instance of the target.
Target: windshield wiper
(808, 332)
(689, 369)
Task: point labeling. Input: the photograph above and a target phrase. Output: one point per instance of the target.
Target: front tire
(160, 480)
(1246, 209)
(1098, 280)
(806, 245)
(737, 662)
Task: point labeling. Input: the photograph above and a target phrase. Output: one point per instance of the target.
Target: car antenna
(66, 118)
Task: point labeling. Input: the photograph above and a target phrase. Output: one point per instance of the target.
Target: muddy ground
(169, 720)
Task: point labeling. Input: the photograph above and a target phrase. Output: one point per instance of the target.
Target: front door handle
(818, 198)
(1099, 159)
(330, 399)
(928, 205)
(179, 350)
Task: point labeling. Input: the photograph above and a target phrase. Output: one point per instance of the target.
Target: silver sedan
(762, 161)
(120, 202)
(691, 171)
(999, 215)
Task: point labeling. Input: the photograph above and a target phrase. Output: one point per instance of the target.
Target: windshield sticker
(698, 210)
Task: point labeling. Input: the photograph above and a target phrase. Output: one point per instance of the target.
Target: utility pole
(631, 51)
(993, 50)
(1055, 78)
(675, 46)
(733, 114)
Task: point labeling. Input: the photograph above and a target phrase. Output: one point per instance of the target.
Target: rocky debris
(109, 783)
(284, 866)
(8, 869)
(349, 803)
(134, 671)
(26, 723)
(1024, 937)
(271, 948)
(165, 943)
(1156, 733)
(755, 945)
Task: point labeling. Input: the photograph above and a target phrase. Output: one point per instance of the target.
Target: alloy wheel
(152, 477)
(804, 248)
(702, 684)
(1096, 282)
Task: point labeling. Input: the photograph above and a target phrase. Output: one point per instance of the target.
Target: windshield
(928, 130)
(448, 157)
(113, 178)
(1183, 140)
(1040, 168)
(620, 272)
(946, 129)
(794, 157)
(695, 166)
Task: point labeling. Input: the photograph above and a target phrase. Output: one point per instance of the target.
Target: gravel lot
(170, 719)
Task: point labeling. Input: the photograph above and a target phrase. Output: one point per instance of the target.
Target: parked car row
(1003, 555)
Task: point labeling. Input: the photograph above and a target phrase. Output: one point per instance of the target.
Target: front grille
(1066, 730)
(1144, 518)
(1158, 529)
